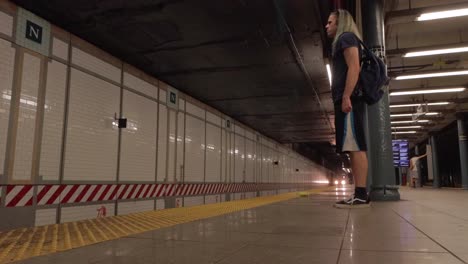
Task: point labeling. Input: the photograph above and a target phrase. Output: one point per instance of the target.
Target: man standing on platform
(349, 105)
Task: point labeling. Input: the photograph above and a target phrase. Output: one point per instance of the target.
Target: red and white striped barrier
(51, 194)
(197, 189)
(18, 195)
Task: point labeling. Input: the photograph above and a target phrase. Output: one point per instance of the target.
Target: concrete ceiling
(403, 33)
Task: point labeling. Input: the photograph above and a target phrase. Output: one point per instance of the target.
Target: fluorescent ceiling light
(401, 115)
(435, 52)
(404, 132)
(406, 127)
(329, 74)
(411, 105)
(431, 75)
(429, 91)
(409, 121)
(443, 14)
(411, 114)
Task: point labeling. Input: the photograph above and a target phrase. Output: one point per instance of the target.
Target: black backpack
(372, 77)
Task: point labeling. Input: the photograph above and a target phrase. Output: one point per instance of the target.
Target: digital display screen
(400, 152)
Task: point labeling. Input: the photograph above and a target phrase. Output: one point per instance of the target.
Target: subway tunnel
(204, 132)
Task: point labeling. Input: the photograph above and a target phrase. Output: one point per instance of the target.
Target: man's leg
(359, 166)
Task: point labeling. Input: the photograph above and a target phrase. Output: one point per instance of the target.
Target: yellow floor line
(25, 243)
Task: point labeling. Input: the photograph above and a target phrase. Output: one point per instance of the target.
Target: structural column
(380, 140)
(462, 122)
(435, 162)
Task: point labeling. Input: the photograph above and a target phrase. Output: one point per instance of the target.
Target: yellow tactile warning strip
(19, 244)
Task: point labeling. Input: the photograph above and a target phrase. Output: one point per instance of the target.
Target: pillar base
(384, 193)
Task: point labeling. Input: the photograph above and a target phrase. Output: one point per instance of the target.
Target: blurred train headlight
(336, 182)
(343, 182)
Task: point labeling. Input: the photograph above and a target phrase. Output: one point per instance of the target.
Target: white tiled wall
(239, 130)
(160, 204)
(194, 150)
(6, 24)
(172, 146)
(180, 145)
(93, 64)
(139, 85)
(76, 213)
(283, 168)
(162, 95)
(213, 153)
(46, 217)
(213, 118)
(7, 58)
(27, 117)
(162, 143)
(193, 201)
(60, 48)
(275, 168)
(231, 156)
(237, 196)
(265, 164)
(135, 207)
(223, 155)
(258, 162)
(51, 148)
(239, 162)
(92, 139)
(250, 195)
(195, 110)
(250, 135)
(249, 161)
(181, 104)
(210, 199)
(138, 155)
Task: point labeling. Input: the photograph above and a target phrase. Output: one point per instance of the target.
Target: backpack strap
(362, 43)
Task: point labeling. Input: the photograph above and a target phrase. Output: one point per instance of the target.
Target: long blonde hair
(345, 24)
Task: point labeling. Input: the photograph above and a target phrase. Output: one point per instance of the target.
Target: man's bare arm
(351, 56)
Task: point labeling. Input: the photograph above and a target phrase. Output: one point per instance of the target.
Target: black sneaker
(353, 202)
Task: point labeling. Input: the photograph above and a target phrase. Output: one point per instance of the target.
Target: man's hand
(346, 106)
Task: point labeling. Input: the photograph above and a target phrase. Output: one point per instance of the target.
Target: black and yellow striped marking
(23, 243)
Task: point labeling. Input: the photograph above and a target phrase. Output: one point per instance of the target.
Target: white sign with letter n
(32, 32)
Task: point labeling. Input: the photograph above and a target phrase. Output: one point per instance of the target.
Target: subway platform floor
(426, 226)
